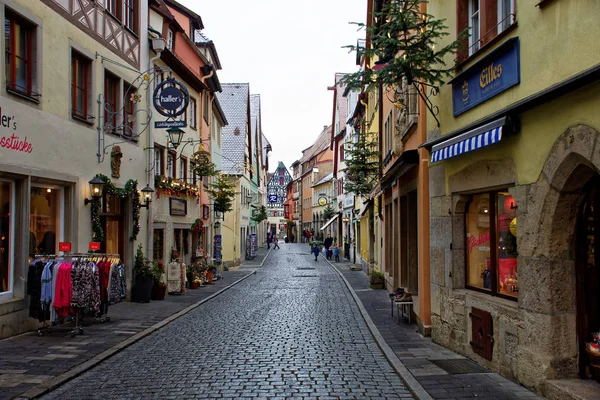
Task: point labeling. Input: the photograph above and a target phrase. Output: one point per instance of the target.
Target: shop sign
(64, 246)
(171, 98)
(170, 124)
(94, 246)
(491, 76)
(349, 201)
(322, 201)
(272, 198)
(13, 142)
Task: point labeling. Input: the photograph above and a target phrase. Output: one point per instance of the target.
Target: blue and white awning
(475, 139)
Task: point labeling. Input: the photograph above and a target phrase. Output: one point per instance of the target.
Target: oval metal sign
(171, 98)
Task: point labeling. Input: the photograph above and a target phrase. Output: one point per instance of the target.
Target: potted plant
(376, 279)
(142, 268)
(210, 274)
(159, 288)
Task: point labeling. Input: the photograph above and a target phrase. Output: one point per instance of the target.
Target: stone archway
(547, 223)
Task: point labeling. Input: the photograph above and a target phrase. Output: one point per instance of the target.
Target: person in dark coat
(327, 245)
(315, 250)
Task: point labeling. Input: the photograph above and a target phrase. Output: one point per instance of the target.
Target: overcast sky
(289, 52)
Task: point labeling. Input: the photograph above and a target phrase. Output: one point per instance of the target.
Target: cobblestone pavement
(28, 361)
(291, 330)
(418, 353)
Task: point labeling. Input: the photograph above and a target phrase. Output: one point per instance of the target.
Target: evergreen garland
(202, 165)
(362, 165)
(109, 189)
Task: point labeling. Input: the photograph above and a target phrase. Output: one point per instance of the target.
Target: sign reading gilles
(171, 98)
(495, 73)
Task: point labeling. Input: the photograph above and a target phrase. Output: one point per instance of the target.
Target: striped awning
(472, 140)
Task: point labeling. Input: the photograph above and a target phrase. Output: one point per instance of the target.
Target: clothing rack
(77, 318)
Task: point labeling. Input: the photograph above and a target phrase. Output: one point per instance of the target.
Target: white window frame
(193, 108)
(183, 168)
(158, 160)
(502, 13)
(170, 167)
(9, 294)
(474, 42)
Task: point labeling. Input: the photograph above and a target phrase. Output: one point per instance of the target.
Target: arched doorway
(587, 266)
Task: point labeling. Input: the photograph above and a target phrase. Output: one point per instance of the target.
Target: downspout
(150, 181)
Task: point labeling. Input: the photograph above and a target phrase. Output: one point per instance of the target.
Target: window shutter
(462, 23)
(482, 333)
(489, 20)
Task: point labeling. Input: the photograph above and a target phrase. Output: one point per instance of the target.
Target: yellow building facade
(517, 142)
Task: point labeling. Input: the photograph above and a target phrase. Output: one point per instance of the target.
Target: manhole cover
(460, 366)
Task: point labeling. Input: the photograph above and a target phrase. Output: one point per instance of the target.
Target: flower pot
(209, 275)
(194, 285)
(158, 292)
(141, 290)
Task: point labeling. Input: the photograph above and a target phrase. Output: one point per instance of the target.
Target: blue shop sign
(497, 72)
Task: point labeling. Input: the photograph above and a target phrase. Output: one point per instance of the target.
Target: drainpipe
(158, 47)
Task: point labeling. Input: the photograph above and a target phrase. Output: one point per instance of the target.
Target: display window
(6, 234)
(44, 220)
(491, 244)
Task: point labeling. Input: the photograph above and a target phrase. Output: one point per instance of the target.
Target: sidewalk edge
(59, 380)
(411, 382)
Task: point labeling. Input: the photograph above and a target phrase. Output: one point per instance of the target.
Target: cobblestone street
(291, 330)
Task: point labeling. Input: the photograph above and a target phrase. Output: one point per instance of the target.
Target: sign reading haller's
(171, 99)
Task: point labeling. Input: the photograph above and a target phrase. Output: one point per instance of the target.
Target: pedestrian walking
(336, 253)
(315, 250)
(268, 240)
(275, 243)
(327, 244)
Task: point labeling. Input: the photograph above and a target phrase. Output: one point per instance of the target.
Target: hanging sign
(94, 246)
(170, 124)
(171, 98)
(272, 198)
(322, 201)
(64, 246)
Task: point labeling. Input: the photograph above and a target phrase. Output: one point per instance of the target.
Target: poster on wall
(253, 244)
(217, 249)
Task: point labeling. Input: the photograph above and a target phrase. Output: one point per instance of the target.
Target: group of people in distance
(330, 250)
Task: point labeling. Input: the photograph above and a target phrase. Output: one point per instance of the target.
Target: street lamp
(175, 136)
(96, 186)
(147, 193)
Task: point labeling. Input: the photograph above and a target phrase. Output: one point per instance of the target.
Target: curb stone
(59, 380)
(411, 383)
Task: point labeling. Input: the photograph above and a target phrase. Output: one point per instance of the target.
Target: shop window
(20, 54)
(129, 110)
(112, 85)
(6, 234)
(44, 225)
(81, 85)
(491, 244)
(484, 19)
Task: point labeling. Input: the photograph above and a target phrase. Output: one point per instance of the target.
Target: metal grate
(460, 366)
(304, 268)
(305, 276)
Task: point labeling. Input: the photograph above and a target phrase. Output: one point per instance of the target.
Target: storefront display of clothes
(59, 287)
